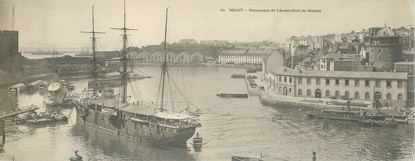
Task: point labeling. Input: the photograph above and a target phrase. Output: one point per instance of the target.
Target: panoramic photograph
(207, 80)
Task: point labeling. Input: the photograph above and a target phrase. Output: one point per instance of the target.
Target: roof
(386, 31)
(341, 74)
(246, 52)
(332, 56)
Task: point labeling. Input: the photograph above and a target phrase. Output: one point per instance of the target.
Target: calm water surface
(229, 127)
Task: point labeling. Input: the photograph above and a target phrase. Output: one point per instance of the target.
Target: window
(337, 82)
(300, 80)
(377, 84)
(327, 81)
(308, 92)
(308, 80)
(337, 94)
(327, 93)
(400, 84)
(400, 97)
(279, 78)
(291, 80)
(367, 83)
(356, 82)
(380, 50)
(367, 96)
(318, 81)
(346, 82)
(285, 79)
(356, 95)
(346, 94)
(388, 84)
(300, 92)
(290, 90)
(388, 96)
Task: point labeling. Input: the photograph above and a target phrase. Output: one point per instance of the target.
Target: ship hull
(148, 132)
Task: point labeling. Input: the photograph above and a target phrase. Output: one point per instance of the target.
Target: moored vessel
(152, 123)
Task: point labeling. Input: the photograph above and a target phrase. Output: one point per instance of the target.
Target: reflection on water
(124, 148)
(229, 127)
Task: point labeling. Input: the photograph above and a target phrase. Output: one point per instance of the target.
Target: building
(390, 88)
(144, 57)
(383, 48)
(197, 57)
(215, 42)
(9, 54)
(245, 56)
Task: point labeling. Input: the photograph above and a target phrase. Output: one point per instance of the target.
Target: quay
(269, 97)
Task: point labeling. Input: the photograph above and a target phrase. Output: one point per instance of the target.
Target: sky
(57, 23)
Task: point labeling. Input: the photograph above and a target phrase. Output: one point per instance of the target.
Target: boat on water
(152, 123)
(56, 90)
(379, 122)
(55, 94)
(43, 118)
(334, 114)
(246, 158)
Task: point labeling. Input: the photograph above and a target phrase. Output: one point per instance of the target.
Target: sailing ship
(152, 123)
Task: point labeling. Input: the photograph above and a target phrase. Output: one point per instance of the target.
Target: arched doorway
(318, 93)
(285, 91)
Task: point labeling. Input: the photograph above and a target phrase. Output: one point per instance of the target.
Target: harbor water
(230, 126)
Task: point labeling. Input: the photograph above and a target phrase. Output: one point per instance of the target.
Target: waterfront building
(144, 57)
(197, 57)
(171, 57)
(9, 54)
(390, 88)
(184, 57)
(133, 56)
(249, 56)
(157, 57)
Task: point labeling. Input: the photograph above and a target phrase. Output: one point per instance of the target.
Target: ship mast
(164, 66)
(94, 60)
(124, 60)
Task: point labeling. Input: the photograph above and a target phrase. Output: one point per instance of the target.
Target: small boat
(232, 95)
(242, 158)
(76, 157)
(338, 114)
(197, 142)
(43, 118)
(378, 123)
